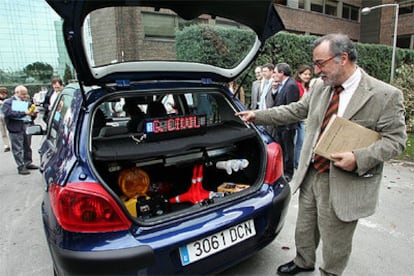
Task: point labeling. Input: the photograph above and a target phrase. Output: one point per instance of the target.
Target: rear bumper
(269, 218)
(110, 262)
(268, 225)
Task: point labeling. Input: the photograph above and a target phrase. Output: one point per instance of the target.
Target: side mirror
(35, 130)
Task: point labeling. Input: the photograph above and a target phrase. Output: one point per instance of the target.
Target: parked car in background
(146, 169)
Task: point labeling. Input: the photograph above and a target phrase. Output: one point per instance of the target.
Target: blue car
(146, 168)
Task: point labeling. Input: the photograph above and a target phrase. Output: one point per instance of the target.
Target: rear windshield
(124, 34)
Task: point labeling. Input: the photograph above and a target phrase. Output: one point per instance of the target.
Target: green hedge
(207, 42)
(295, 50)
(404, 80)
(373, 58)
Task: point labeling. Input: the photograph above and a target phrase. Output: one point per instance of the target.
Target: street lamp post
(367, 10)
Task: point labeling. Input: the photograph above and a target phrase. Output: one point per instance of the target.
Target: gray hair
(20, 88)
(339, 43)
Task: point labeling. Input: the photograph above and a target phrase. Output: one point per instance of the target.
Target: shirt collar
(353, 80)
(284, 81)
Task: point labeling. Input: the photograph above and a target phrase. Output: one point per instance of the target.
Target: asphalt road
(383, 243)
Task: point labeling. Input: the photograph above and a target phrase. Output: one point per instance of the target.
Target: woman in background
(233, 86)
(302, 77)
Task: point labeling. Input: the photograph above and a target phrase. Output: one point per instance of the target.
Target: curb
(401, 162)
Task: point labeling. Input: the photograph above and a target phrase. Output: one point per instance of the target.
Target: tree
(68, 74)
(39, 70)
(405, 81)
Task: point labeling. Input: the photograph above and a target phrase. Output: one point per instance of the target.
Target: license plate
(210, 245)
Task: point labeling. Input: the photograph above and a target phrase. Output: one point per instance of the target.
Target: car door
(56, 152)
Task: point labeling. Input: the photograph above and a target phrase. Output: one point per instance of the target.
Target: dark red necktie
(321, 164)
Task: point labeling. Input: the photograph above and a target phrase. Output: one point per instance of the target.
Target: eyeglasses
(321, 63)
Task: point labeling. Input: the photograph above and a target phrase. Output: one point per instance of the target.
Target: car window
(162, 35)
(61, 117)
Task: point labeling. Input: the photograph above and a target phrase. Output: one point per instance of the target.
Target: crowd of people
(276, 85)
(17, 113)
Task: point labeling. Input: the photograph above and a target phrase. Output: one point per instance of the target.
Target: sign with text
(175, 126)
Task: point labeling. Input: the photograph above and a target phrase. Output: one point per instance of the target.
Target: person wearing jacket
(3, 96)
(334, 196)
(287, 92)
(51, 95)
(18, 116)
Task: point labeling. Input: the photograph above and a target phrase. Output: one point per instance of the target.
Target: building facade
(30, 31)
(319, 17)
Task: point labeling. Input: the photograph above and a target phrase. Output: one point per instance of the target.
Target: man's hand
(246, 116)
(345, 161)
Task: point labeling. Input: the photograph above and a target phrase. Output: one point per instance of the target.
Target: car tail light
(86, 207)
(274, 167)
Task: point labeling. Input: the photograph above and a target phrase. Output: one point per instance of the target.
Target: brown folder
(341, 135)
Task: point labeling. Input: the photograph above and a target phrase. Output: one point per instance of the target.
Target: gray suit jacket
(267, 89)
(375, 105)
(255, 95)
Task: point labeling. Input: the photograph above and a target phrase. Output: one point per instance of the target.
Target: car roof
(259, 16)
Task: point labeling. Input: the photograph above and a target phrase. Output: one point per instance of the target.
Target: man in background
(287, 92)
(18, 116)
(51, 95)
(255, 95)
(266, 97)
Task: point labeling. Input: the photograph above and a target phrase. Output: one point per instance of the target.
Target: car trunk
(193, 153)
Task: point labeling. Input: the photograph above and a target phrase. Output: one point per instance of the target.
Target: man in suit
(287, 92)
(18, 117)
(331, 201)
(255, 95)
(51, 95)
(266, 98)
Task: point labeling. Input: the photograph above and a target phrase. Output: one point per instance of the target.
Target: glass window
(354, 13)
(325, 6)
(281, 2)
(405, 7)
(60, 119)
(316, 8)
(350, 12)
(159, 25)
(331, 8)
(403, 41)
(120, 35)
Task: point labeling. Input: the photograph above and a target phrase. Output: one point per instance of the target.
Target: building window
(350, 12)
(405, 7)
(328, 7)
(301, 4)
(281, 2)
(317, 6)
(404, 41)
(158, 25)
(331, 8)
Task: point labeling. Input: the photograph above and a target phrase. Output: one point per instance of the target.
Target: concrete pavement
(383, 244)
